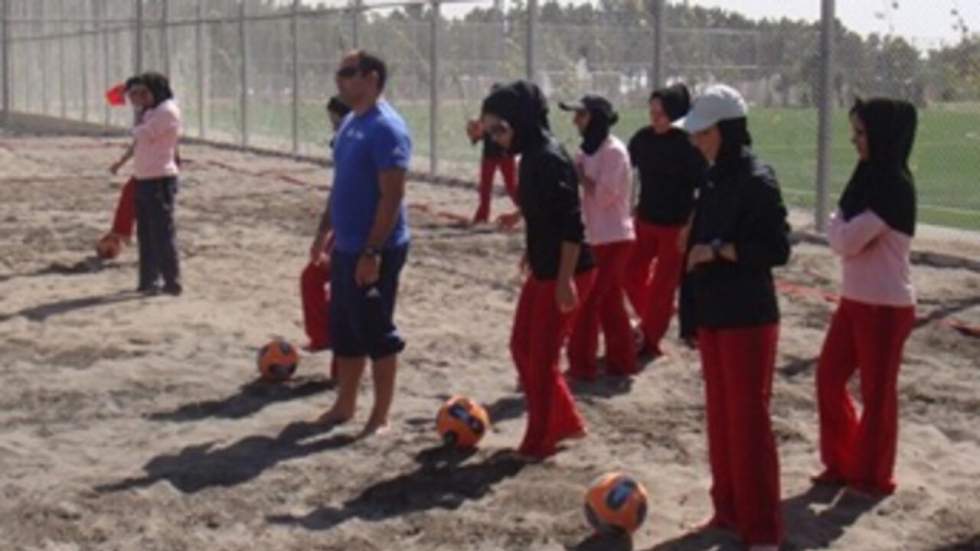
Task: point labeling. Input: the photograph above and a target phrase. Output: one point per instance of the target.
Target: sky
(928, 22)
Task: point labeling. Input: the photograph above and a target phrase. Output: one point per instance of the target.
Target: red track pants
(738, 367)
(314, 285)
(605, 308)
(539, 331)
(651, 286)
(860, 451)
(508, 169)
(125, 217)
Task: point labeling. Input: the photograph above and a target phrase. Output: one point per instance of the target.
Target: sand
(135, 423)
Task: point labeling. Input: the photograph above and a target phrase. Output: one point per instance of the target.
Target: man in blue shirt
(366, 215)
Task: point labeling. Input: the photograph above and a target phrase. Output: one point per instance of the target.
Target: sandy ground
(132, 423)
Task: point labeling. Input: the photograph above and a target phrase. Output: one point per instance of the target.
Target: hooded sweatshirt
(739, 203)
(670, 167)
(873, 227)
(547, 183)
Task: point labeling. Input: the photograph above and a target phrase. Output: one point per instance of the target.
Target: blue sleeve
(391, 147)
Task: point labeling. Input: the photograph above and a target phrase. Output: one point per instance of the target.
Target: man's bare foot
(333, 417)
(375, 427)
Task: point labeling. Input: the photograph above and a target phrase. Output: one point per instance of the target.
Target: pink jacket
(156, 139)
(606, 209)
(875, 259)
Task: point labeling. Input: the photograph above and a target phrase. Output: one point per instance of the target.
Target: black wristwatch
(716, 245)
(371, 251)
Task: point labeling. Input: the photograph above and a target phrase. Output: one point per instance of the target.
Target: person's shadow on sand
(44, 311)
(250, 398)
(805, 528)
(202, 466)
(439, 482)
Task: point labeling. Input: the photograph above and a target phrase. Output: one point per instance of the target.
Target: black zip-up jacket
(670, 170)
(552, 211)
(739, 203)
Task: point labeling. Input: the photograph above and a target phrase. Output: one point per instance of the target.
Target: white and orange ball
(109, 246)
(277, 361)
(461, 422)
(615, 502)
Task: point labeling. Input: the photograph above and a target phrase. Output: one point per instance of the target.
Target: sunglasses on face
(346, 72)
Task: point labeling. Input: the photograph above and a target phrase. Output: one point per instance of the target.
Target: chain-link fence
(258, 73)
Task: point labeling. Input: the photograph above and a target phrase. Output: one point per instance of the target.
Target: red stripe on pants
(738, 366)
(869, 339)
(605, 308)
(125, 217)
(508, 169)
(539, 331)
(652, 285)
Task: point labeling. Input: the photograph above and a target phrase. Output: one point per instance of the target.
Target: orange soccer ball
(109, 246)
(615, 503)
(461, 422)
(277, 361)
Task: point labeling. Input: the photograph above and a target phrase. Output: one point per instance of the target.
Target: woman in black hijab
(560, 262)
(872, 232)
(670, 170)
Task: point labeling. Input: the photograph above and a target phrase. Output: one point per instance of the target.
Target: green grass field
(946, 159)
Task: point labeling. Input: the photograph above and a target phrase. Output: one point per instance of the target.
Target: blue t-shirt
(366, 145)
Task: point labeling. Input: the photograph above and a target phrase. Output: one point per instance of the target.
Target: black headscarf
(735, 138)
(525, 109)
(884, 183)
(676, 100)
(597, 131)
(159, 87)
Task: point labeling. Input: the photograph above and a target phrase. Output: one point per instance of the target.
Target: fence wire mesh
(259, 72)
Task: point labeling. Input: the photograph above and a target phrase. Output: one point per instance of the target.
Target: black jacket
(549, 201)
(739, 203)
(670, 170)
(547, 185)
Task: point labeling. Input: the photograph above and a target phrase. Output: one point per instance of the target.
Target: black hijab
(675, 99)
(525, 109)
(884, 183)
(159, 87)
(601, 120)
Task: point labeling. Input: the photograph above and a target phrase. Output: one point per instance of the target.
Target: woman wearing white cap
(738, 234)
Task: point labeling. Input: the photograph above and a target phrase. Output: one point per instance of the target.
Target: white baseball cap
(717, 103)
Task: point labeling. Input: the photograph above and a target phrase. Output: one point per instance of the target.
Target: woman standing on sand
(872, 232)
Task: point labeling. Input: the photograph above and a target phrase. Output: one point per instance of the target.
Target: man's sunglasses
(347, 72)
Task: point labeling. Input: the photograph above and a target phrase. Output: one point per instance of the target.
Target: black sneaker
(148, 290)
(173, 289)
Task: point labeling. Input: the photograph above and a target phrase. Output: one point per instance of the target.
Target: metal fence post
(199, 62)
(434, 88)
(165, 37)
(138, 40)
(62, 86)
(294, 29)
(43, 46)
(106, 72)
(5, 29)
(657, 13)
(355, 23)
(824, 127)
(532, 22)
(243, 95)
(83, 63)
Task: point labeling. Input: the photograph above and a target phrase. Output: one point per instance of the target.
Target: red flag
(116, 95)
